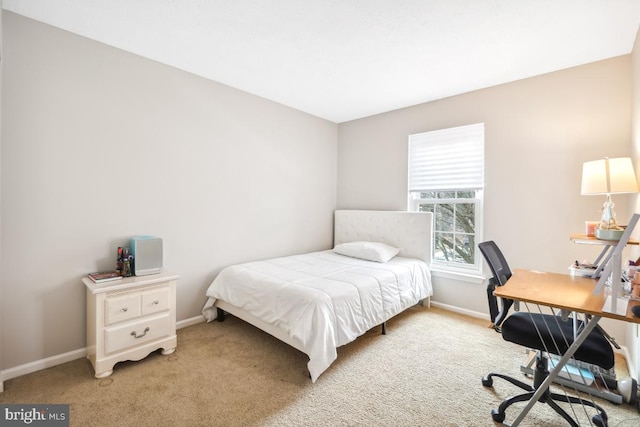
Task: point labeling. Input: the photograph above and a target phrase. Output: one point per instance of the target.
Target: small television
(147, 255)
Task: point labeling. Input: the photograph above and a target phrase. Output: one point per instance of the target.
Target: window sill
(470, 276)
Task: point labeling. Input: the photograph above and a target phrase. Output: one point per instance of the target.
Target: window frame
(448, 160)
(478, 201)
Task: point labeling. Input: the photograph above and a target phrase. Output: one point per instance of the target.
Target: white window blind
(447, 159)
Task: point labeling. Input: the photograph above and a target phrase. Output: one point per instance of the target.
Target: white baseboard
(189, 322)
(59, 359)
(38, 365)
(460, 310)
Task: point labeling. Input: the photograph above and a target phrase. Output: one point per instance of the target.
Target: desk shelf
(605, 255)
(584, 239)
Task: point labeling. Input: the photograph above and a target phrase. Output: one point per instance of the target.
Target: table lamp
(608, 176)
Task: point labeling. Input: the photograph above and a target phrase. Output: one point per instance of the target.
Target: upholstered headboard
(408, 231)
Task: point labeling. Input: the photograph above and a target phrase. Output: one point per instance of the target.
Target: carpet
(426, 371)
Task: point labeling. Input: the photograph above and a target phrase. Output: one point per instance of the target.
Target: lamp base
(608, 234)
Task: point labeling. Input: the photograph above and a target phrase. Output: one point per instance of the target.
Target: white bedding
(323, 299)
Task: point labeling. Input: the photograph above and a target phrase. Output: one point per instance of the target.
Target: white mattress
(323, 299)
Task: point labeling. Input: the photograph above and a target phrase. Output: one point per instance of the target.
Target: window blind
(447, 159)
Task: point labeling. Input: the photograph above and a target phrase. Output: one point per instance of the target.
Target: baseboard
(189, 322)
(39, 365)
(59, 359)
(459, 310)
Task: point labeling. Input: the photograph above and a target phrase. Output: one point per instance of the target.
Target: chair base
(541, 372)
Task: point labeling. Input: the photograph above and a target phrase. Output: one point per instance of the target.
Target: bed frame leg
(384, 328)
(221, 314)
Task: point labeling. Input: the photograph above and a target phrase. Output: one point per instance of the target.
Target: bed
(319, 301)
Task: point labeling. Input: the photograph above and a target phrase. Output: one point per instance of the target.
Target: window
(446, 177)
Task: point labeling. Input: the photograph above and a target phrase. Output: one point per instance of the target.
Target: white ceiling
(346, 59)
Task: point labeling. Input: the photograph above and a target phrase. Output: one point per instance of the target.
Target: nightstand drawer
(121, 308)
(155, 301)
(120, 337)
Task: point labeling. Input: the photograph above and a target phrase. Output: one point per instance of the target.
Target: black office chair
(545, 333)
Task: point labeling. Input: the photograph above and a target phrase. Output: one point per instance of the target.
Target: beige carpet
(425, 372)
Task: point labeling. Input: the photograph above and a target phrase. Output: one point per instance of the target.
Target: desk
(561, 291)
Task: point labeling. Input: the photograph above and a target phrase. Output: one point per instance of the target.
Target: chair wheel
(600, 420)
(497, 416)
(487, 381)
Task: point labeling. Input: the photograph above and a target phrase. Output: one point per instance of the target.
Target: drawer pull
(156, 302)
(124, 310)
(134, 334)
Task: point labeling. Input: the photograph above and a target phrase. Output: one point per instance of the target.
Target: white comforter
(323, 299)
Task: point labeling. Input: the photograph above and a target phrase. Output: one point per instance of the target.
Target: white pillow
(371, 251)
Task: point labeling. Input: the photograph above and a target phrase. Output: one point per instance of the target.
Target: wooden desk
(572, 293)
(561, 291)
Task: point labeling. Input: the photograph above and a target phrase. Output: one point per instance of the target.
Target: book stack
(105, 276)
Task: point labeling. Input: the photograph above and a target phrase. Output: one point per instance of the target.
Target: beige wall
(99, 145)
(539, 131)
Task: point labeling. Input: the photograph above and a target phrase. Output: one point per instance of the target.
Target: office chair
(545, 333)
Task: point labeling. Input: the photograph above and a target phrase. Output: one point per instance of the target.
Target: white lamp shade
(609, 176)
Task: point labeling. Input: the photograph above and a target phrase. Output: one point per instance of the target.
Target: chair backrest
(498, 265)
(501, 273)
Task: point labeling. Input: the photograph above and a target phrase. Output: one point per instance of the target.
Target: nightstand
(129, 318)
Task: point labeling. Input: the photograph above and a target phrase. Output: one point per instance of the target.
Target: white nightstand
(128, 319)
